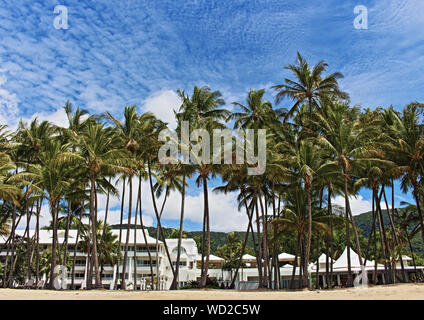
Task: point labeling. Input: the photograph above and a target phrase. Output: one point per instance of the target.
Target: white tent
(342, 265)
(286, 257)
(322, 259)
(215, 258)
(248, 257)
(212, 258)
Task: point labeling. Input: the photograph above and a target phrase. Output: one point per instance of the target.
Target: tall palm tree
(309, 86)
(408, 144)
(308, 167)
(350, 143)
(257, 113)
(293, 217)
(99, 154)
(51, 178)
(203, 110)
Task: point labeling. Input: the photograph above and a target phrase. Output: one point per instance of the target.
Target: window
(80, 262)
(182, 250)
(144, 249)
(145, 263)
(182, 263)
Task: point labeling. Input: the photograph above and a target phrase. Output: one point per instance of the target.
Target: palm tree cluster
(318, 148)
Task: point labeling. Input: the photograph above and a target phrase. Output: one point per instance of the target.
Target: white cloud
(8, 103)
(162, 104)
(57, 117)
(358, 204)
(223, 209)
(224, 214)
(45, 219)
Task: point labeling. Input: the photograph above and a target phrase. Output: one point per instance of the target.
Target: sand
(388, 292)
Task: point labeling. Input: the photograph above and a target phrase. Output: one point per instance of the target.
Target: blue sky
(118, 53)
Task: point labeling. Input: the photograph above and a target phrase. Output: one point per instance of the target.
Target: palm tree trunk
(158, 219)
(208, 232)
(120, 236)
(174, 284)
(76, 245)
(142, 228)
(243, 248)
(68, 224)
(372, 237)
(14, 226)
(54, 242)
(37, 231)
(327, 243)
(127, 239)
(261, 282)
(89, 253)
(383, 237)
(275, 258)
(104, 225)
(347, 223)
(203, 245)
(28, 212)
(417, 201)
(308, 248)
(135, 248)
(98, 283)
(413, 254)
(265, 243)
(157, 237)
(395, 237)
(295, 265)
(317, 284)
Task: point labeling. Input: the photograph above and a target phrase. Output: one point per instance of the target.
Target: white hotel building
(189, 262)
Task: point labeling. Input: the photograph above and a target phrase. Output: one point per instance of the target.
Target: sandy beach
(388, 292)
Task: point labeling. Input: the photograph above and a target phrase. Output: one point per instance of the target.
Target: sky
(118, 53)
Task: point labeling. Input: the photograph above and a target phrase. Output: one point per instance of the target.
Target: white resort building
(247, 277)
(189, 262)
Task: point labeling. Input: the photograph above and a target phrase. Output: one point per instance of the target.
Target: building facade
(141, 249)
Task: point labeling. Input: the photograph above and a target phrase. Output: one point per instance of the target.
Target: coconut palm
(98, 153)
(51, 179)
(293, 217)
(350, 143)
(256, 113)
(309, 86)
(308, 167)
(407, 142)
(203, 110)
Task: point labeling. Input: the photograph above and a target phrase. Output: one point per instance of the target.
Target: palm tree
(309, 86)
(51, 178)
(293, 217)
(99, 155)
(407, 142)
(170, 179)
(308, 167)
(349, 142)
(127, 132)
(257, 113)
(203, 111)
(8, 191)
(31, 141)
